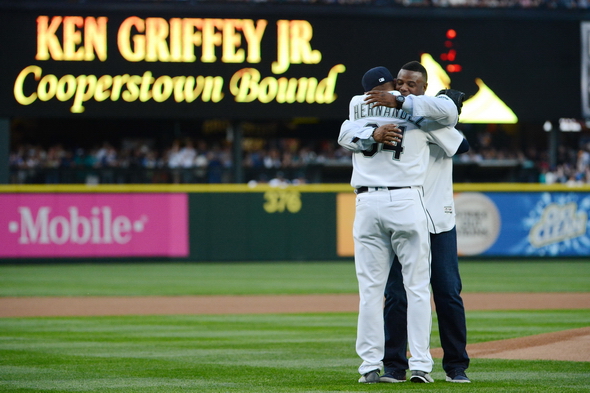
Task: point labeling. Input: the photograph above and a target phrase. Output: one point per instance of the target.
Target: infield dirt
(569, 345)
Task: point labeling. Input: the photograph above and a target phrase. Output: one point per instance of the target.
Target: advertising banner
(535, 224)
(498, 224)
(93, 225)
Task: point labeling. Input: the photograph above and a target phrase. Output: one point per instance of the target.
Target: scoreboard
(253, 64)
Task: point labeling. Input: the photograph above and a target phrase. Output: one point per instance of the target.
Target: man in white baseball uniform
(445, 278)
(391, 220)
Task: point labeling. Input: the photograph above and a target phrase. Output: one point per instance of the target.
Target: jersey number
(397, 149)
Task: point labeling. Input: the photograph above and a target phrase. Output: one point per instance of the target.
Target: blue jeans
(446, 290)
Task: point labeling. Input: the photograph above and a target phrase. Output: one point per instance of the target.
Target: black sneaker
(370, 377)
(457, 376)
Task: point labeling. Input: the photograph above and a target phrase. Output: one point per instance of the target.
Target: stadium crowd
(185, 161)
(282, 160)
(515, 4)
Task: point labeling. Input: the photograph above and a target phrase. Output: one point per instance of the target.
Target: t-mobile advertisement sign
(93, 225)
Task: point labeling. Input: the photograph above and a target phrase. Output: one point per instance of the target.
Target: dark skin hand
(388, 134)
(380, 98)
(407, 82)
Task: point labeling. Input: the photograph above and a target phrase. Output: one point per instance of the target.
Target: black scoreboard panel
(252, 65)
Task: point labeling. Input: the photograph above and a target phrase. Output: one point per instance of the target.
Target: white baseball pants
(389, 222)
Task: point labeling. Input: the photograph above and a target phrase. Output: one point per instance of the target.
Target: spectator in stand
(279, 180)
(273, 159)
(187, 154)
(215, 169)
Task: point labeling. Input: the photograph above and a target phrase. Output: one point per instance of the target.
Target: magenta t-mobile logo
(99, 227)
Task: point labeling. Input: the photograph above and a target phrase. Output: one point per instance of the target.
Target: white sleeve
(440, 109)
(353, 136)
(448, 138)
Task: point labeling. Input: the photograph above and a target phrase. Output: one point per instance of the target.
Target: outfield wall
(241, 223)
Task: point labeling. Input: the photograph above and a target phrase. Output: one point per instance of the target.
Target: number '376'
(277, 201)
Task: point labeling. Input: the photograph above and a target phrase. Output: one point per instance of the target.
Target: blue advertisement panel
(535, 224)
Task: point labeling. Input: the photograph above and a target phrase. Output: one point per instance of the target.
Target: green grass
(251, 353)
(279, 353)
(267, 278)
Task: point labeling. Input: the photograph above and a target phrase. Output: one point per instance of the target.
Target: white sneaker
(421, 377)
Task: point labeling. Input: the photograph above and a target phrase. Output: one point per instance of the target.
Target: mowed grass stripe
(252, 353)
(177, 279)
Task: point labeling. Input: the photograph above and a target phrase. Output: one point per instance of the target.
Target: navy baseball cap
(375, 77)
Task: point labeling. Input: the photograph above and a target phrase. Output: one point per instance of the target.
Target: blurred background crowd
(549, 4)
(276, 161)
(515, 4)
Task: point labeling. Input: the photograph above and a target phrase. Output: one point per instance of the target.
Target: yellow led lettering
(155, 39)
(102, 88)
(118, 82)
(325, 90)
(137, 52)
(72, 38)
(286, 90)
(191, 37)
(85, 87)
(132, 85)
(176, 39)
(162, 88)
(312, 88)
(301, 35)
(253, 35)
(231, 41)
(302, 89)
(267, 90)
(212, 90)
(246, 85)
(48, 46)
(179, 83)
(156, 32)
(209, 88)
(76, 47)
(146, 82)
(19, 94)
(282, 63)
(66, 88)
(293, 45)
(193, 87)
(47, 87)
(211, 39)
(95, 38)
